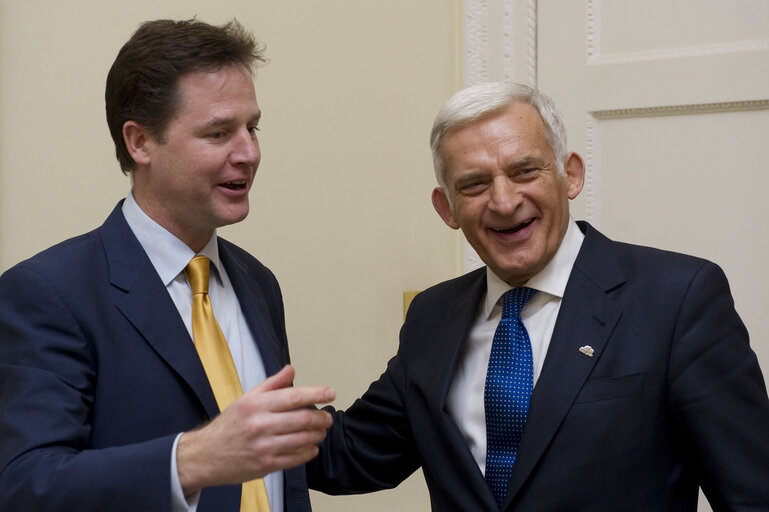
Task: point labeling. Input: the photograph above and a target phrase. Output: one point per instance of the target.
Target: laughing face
(504, 190)
(198, 177)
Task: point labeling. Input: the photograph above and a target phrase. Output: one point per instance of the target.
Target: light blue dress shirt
(170, 256)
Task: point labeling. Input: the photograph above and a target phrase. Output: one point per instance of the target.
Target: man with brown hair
(106, 403)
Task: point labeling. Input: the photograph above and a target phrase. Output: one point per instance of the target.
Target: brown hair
(142, 82)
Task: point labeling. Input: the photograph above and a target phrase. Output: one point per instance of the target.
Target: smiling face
(198, 177)
(505, 191)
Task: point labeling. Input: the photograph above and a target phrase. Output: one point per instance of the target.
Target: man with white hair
(572, 372)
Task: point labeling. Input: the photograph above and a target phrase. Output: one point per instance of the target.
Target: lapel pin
(587, 350)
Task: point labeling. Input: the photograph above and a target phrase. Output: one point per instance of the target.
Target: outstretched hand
(272, 427)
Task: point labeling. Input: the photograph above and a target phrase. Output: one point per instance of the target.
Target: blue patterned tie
(509, 381)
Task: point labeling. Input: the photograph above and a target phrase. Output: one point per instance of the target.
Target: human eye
(217, 135)
(526, 173)
(252, 129)
(471, 187)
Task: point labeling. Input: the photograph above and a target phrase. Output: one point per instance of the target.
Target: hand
(272, 427)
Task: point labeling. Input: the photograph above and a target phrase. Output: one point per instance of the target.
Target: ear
(442, 206)
(137, 139)
(574, 169)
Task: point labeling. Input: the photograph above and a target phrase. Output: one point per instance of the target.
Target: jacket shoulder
(64, 258)
(452, 288)
(609, 262)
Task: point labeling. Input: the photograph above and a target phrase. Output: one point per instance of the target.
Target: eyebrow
(526, 161)
(224, 121)
(468, 177)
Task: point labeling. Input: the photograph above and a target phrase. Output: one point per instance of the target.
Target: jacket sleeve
(48, 375)
(370, 446)
(717, 397)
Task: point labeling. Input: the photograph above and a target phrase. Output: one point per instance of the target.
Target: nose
(246, 149)
(504, 197)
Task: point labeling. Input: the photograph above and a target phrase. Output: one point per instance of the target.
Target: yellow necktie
(217, 361)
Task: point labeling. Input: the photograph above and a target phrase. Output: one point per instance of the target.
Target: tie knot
(197, 274)
(514, 300)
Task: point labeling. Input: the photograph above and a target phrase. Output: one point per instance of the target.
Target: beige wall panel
(341, 205)
(710, 202)
(658, 26)
(698, 51)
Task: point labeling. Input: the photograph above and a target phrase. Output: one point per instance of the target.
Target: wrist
(191, 466)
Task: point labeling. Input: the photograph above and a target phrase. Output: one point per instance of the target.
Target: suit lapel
(452, 331)
(587, 317)
(145, 302)
(255, 309)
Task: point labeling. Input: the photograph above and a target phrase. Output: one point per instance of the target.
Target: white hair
(471, 104)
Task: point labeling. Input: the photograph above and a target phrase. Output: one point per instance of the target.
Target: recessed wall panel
(657, 26)
(695, 184)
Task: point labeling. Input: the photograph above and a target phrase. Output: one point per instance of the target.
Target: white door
(668, 101)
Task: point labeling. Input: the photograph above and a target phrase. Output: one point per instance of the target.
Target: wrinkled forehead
(516, 123)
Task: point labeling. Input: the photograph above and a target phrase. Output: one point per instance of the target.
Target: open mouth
(514, 229)
(234, 185)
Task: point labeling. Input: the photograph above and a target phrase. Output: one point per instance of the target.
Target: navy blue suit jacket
(672, 398)
(98, 375)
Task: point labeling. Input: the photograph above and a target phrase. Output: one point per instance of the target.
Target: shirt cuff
(179, 502)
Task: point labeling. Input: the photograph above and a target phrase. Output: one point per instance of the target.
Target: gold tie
(217, 362)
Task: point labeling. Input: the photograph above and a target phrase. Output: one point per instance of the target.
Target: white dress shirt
(465, 402)
(170, 256)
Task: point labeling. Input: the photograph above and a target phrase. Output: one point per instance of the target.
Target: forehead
(516, 122)
(513, 132)
(227, 88)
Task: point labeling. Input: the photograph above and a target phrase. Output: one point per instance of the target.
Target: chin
(233, 217)
(517, 275)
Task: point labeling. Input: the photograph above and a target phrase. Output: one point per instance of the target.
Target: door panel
(669, 104)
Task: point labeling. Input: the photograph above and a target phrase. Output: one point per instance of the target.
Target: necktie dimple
(217, 361)
(509, 382)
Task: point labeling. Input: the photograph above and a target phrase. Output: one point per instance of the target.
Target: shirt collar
(551, 280)
(168, 254)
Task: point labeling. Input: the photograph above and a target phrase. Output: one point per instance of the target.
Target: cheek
(552, 200)
(469, 211)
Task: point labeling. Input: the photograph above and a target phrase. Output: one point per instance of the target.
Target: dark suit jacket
(98, 375)
(672, 398)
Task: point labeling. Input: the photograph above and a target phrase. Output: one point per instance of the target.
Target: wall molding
(499, 41)
(592, 162)
(679, 53)
(593, 43)
(594, 56)
(672, 110)
(475, 42)
(508, 45)
(531, 42)
(592, 189)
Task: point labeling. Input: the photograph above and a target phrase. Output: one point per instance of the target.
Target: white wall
(340, 208)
